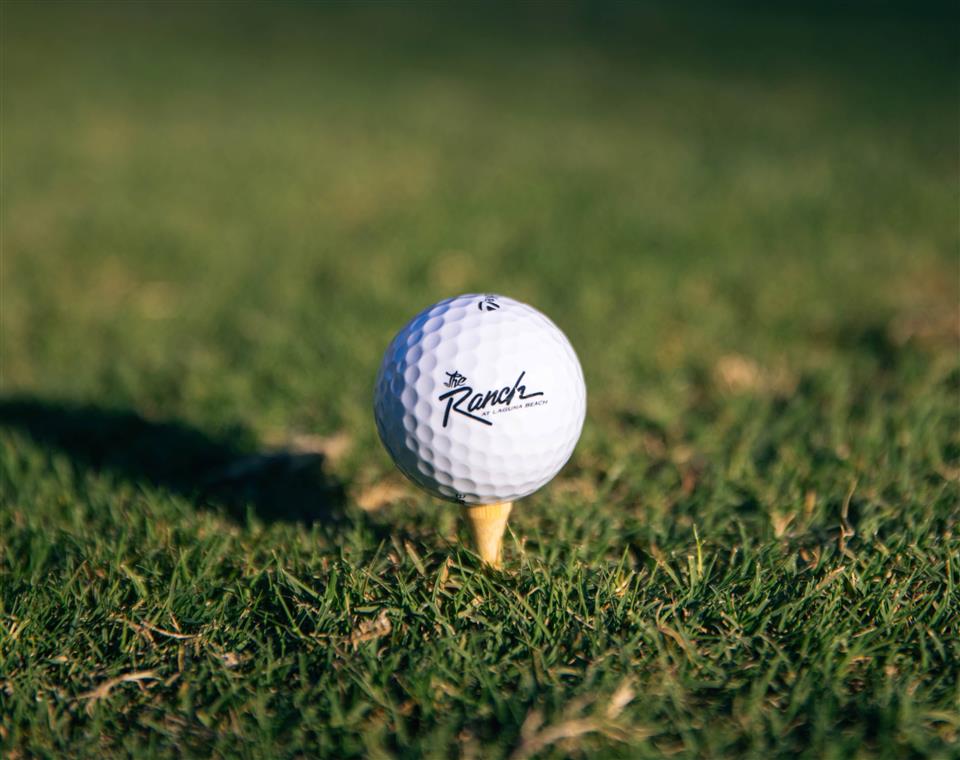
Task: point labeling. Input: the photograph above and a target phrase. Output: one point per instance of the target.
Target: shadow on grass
(279, 485)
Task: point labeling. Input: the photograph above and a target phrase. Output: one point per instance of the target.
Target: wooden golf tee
(488, 523)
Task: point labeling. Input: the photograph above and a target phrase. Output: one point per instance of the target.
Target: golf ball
(480, 399)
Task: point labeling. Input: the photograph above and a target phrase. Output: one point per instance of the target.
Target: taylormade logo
(479, 405)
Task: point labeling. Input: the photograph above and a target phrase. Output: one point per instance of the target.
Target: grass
(215, 218)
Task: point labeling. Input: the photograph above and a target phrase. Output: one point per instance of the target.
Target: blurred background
(215, 216)
(220, 213)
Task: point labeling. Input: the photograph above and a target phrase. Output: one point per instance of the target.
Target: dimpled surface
(480, 399)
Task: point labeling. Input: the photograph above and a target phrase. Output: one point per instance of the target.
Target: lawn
(214, 219)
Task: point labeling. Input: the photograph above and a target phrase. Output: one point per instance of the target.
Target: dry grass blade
(370, 630)
(103, 690)
(146, 629)
(567, 729)
(846, 527)
(535, 737)
(622, 697)
(380, 495)
(332, 447)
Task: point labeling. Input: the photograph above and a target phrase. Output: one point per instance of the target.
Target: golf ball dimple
(480, 399)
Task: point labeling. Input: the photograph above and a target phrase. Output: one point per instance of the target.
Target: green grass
(215, 218)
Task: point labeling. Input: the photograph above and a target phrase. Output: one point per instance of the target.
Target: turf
(216, 216)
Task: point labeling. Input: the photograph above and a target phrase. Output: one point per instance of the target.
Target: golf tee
(487, 524)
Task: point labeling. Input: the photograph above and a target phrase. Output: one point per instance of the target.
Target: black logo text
(463, 400)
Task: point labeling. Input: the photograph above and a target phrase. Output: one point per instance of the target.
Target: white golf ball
(480, 399)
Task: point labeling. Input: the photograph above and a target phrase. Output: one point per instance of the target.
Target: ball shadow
(226, 471)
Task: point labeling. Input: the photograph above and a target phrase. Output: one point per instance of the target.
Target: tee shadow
(227, 471)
